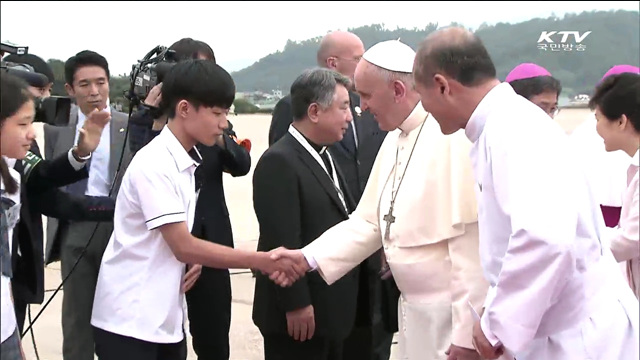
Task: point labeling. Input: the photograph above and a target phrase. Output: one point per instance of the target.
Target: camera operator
(40, 196)
(80, 245)
(209, 301)
(39, 66)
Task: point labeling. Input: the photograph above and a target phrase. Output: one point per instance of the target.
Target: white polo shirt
(138, 293)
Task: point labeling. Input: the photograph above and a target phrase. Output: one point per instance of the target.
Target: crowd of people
(403, 191)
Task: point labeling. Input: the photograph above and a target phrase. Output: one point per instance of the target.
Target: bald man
(377, 317)
(555, 290)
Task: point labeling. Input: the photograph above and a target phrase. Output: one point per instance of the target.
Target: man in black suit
(298, 193)
(355, 154)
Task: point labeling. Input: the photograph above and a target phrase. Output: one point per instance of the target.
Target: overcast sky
(240, 33)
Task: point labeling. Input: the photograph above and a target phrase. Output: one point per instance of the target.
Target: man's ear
(183, 108)
(313, 112)
(442, 84)
(332, 62)
(399, 90)
(69, 89)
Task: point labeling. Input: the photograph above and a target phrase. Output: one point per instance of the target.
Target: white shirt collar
(181, 157)
(10, 162)
(635, 160)
(417, 116)
(495, 97)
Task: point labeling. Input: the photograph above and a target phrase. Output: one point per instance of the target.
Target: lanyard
(301, 139)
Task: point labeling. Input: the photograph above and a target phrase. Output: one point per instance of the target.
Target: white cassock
(432, 249)
(556, 292)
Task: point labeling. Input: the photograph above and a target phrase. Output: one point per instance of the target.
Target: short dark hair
(316, 85)
(37, 63)
(200, 82)
(619, 95)
(14, 93)
(188, 48)
(82, 59)
(467, 61)
(531, 87)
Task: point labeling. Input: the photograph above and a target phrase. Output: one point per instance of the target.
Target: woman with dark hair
(536, 84)
(16, 134)
(617, 105)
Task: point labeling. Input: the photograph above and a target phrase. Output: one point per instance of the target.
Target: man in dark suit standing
(298, 193)
(355, 154)
(87, 80)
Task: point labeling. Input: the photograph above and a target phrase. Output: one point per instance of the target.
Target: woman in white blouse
(617, 105)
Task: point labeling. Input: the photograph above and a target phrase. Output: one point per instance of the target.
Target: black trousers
(110, 346)
(284, 347)
(209, 304)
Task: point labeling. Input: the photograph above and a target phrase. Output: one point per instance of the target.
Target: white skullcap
(391, 55)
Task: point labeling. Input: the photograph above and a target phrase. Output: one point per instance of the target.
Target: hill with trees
(614, 39)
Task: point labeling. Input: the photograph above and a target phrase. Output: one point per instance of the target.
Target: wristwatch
(77, 157)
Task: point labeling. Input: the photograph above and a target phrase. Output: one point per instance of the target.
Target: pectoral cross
(389, 219)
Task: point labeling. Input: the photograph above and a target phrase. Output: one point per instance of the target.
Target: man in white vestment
(419, 205)
(556, 293)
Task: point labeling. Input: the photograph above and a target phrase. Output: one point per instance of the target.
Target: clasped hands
(283, 266)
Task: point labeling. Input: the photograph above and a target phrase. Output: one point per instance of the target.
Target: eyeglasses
(553, 112)
(355, 59)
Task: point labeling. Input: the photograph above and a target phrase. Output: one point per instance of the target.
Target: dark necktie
(327, 163)
(80, 187)
(349, 140)
(198, 173)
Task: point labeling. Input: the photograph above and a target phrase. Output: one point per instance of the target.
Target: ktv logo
(546, 36)
(546, 41)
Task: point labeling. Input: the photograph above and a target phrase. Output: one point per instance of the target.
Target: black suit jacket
(356, 167)
(212, 216)
(295, 202)
(39, 195)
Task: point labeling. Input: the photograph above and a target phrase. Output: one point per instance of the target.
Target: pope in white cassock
(419, 205)
(556, 292)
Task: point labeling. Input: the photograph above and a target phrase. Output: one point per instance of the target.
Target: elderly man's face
(377, 96)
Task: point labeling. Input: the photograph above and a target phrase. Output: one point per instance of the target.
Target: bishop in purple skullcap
(526, 71)
(619, 69)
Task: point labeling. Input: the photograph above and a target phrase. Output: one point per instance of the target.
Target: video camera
(53, 110)
(149, 72)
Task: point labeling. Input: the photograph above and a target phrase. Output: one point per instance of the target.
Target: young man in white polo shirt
(138, 307)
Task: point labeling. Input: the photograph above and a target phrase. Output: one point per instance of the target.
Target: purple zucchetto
(526, 71)
(619, 69)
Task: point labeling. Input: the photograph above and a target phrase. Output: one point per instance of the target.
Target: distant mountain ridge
(614, 39)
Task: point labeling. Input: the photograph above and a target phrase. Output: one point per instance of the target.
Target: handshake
(283, 266)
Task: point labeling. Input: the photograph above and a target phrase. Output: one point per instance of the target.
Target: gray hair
(315, 86)
(390, 76)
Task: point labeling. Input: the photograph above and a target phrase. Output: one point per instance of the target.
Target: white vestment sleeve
(534, 190)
